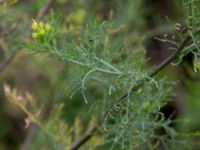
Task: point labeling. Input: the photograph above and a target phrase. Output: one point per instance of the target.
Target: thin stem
(83, 84)
(84, 139)
(97, 69)
(108, 65)
(107, 71)
(194, 41)
(7, 59)
(77, 62)
(169, 59)
(44, 9)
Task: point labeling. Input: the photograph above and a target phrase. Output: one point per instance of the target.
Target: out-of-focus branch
(34, 128)
(44, 9)
(7, 59)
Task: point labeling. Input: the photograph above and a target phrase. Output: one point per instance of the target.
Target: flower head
(41, 24)
(40, 29)
(47, 27)
(34, 25)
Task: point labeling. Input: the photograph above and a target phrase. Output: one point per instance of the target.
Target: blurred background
(47, 79)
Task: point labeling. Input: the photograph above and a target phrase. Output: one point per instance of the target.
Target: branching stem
(116, 72)
(108, 65)
(151, 73)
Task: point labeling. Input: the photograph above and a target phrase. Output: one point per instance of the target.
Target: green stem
(97, 69)
(108, 65)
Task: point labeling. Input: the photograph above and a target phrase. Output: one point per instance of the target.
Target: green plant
(108, 66)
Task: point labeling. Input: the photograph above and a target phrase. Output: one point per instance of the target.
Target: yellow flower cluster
(40, 28)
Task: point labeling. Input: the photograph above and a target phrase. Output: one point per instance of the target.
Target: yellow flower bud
(34, 25)
(47, 27)
(41, 24)
(41, 31)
